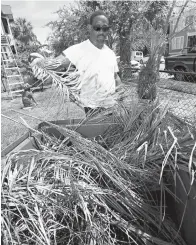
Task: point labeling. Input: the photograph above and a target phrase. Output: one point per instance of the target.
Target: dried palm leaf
(76, 191)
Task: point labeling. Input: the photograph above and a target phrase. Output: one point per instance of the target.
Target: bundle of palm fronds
(147, 80)
(149, 75)
(67, 83)
(102, 190)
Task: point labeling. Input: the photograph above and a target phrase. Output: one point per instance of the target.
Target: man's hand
(56, 64)
(63, 61)
(121, 91)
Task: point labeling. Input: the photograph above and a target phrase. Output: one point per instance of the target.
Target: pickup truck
(182, 62)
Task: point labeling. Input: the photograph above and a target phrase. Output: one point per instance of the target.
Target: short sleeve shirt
(97, 68)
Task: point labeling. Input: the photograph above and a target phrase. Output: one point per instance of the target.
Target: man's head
(98, 27)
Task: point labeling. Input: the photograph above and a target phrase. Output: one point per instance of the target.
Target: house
(184, 37)
(6, 32)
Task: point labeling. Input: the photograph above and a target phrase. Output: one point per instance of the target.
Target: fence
(177, 89)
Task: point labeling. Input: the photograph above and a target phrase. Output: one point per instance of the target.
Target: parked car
(184, 62)
(135, 65)
(146, 58)
(137, 55)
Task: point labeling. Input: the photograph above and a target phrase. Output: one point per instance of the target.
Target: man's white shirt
(97, 68)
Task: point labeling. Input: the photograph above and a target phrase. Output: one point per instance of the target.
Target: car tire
(179, 76)
(183, 77)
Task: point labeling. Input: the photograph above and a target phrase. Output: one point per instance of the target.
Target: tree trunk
(147, 81)
(125, 48)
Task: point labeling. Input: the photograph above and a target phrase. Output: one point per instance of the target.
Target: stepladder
(11, 77)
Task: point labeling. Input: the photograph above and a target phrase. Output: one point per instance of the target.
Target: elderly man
(97, 64)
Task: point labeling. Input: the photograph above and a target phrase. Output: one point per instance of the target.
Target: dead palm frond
(78, 191)
(66, 83)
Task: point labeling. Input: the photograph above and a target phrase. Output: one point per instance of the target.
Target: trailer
(184, 211)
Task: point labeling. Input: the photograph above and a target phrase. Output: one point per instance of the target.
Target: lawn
(47, 109)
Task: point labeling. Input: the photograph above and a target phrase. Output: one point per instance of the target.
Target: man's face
(99, 29)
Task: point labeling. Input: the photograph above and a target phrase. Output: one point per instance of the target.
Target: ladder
(12, 74)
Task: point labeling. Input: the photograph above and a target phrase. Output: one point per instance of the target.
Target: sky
(39, 13)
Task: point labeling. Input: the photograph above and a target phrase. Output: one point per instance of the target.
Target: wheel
(179, 76)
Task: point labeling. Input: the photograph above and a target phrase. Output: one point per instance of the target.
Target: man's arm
(117, 79)
(119, 87)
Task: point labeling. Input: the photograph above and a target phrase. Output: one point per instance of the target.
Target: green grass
(47, 109)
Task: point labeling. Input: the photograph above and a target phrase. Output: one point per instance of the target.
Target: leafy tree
(23, 31)
(124, 17)
(123, 20)
(156, 13)
(26, 40)
(70, 27)
(26, 43)
(62, 31)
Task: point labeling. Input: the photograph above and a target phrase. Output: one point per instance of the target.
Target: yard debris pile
(110, 189)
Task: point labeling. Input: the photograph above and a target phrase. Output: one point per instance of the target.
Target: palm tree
(149, 75)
